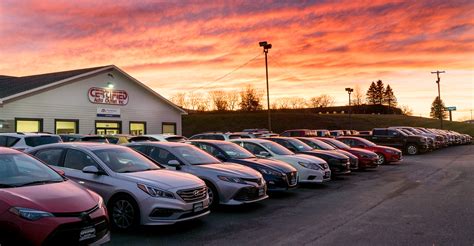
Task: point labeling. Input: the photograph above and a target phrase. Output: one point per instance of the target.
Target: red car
(386, 154)
(38, 206)
(367, 159)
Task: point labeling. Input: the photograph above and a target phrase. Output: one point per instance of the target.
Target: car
(83, 138)
(299, 133)
(118, 138)
(412, 144)
(338, 163)
(386, 154)
(38, 206)
(228, 184)
(278, 175)
(135, 189)
(219, 136)
(310, 169)
(337, 133)
(367, 159)
(318, 144)
(24, 141)
(158, 137)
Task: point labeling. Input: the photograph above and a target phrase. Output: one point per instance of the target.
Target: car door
(395, 139)
(74, 161)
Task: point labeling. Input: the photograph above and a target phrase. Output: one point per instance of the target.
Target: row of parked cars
(73, 188)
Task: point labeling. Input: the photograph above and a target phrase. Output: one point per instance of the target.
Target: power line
(227, 74)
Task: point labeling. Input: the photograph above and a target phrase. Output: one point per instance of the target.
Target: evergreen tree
(371, 94)
(438, 110)
(389, 97)
(379, 92)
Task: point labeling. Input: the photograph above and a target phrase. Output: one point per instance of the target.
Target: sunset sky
(318, 46)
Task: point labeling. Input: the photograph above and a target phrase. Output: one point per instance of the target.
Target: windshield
(276, 148)
(300, 145)
(95, 139)
(179, 139)
(41, 140)
(235, 152)
(21, 170)
(318, 144)
(124, 160)
(335, 143)
(194, 156)
(366, 142)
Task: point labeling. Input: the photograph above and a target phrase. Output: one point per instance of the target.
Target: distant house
(469, 121)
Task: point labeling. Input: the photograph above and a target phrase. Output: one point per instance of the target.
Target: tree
(219, 99)
(193, 100)
(314, 102)
(389, 97)
(379, 92)
(232, 100)
(250, 99)
(371, 96)
(297, 102)
(179, 99)
(326, 100)
(357, 96)
(407, 110)
(438, 110)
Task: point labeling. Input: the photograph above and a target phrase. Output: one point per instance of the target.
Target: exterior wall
(70, 101)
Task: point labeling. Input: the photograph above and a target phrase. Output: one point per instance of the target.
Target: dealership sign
(108, 112)
(107, 96)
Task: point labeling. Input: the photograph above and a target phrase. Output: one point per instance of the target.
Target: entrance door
(108, 128)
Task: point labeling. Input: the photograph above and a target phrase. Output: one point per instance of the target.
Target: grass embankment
(236, 121)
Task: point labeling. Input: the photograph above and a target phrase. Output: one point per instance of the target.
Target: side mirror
(91, 169)
(174, 163)
(263, 154)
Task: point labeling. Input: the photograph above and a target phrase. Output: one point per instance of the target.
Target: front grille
(248, 194)
(77, 214)
(68, 234)
(292, 178)
(192, 195)
(258, 181)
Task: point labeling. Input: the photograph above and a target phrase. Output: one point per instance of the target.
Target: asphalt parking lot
(425, 200)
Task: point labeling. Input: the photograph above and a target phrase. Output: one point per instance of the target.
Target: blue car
(278, 175)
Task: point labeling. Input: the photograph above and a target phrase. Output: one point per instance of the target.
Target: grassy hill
(236, 121)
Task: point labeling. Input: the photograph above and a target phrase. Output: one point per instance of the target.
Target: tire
(381, 160)
(123, 212)
(213, 195)
(412, 149)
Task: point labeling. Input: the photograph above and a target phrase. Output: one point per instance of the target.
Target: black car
(338, 163)
(278, 175)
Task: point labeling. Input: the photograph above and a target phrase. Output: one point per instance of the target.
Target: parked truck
(410, 144)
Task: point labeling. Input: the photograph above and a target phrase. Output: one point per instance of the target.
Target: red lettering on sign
(107, 96)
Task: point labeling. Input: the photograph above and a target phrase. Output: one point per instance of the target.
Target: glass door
(108, 128)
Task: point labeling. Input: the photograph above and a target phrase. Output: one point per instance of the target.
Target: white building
(100, 100)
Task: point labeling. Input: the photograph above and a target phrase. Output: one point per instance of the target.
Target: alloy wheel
(123, 214)
(381, 159)
(211, 195)
(412, 150)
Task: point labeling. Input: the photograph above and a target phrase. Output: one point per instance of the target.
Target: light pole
(266, 46)
(439, 96)
(349, 91)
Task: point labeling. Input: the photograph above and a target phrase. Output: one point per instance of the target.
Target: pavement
(424, 200)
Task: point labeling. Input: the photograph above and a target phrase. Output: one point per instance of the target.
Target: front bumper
(368, 162)
(289, 181)
(340, 168)
(164, 211)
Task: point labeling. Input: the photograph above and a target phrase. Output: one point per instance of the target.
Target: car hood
(268, 163)
(165, 179)
(231, 169)
(361, 152)
(387, 148)
(308, 158)
(64, 197)
(346, 153)
(325, 153)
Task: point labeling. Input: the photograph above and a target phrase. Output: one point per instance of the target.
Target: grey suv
(135, 189)
(229, 184)
(24, 141)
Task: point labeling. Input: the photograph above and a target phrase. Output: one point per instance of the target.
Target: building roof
(12, 87)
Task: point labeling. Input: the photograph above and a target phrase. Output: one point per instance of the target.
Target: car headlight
(30, 214)
(390, 151)
(155, 192)
(309, 165)
(270, 172)
(232, 179)
(100, 203)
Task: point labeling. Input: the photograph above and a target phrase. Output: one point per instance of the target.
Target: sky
(319, 47)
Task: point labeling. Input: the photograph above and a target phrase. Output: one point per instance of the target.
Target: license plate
(87, 233)
(261, 191)
(198, 207)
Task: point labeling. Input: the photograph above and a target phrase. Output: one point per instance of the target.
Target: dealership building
(99, 100)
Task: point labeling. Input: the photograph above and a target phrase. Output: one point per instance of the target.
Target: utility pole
(266, 46)
(349, 91)
(439, 95)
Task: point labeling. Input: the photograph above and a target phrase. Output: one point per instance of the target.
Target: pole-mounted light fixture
(266, 46)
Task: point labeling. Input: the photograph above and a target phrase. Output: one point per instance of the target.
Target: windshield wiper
(41, 182)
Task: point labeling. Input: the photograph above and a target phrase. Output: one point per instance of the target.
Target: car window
(347, 141)
(218, 137)
(41, 140)
(392, 133)
(76, 159)
(50, 156)
(125, 160)
(235, 151)
(161, 155)
(253, 148)
(209, 149)
(3, 141)
(179, 139)
(140, 148)
(194, 155)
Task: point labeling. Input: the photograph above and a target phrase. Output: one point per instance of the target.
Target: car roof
(211, 141)
(156, 143)
(26, 134)
(251, 140)
(84, 145)
(4, 150)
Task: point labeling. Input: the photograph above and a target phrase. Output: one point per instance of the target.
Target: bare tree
(314, 102)
(357, 96)
(232, 100)
(250, 99)
(193, 100)
(219, 99)
(297, 102)
(179, 99)
(281, 103)
(407, 110)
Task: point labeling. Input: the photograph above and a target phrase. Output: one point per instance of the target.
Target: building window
(168, 128)
(67, 126)
(108, 127)
(28, 125)
(137, 128)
